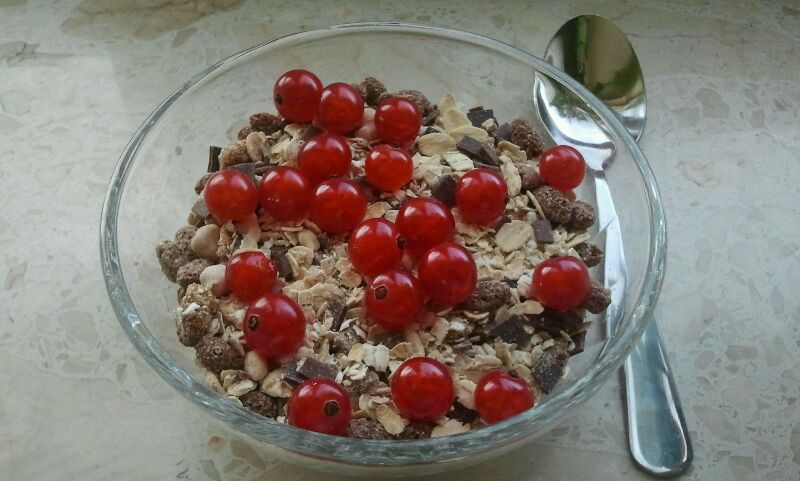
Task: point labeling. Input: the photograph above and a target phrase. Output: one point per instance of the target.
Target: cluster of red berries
(274, 325)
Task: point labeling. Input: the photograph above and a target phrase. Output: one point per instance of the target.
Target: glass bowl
(152, 190)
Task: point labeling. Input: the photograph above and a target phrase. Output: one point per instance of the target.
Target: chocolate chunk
(263, 169)
(598, 299)
(523, 135)
(261, 403)
(555, 205)
(189, 273)
(487, 296)
(310, 367)
(213, 158)
(243, 133)
(542, 231)
(337, 309)
(278, 255)
(217, 355)
(480, 115)
(444, 190)
(512, 331)
(531, 180)
(582, 215)
(579, 341)
(377, 335)
(416, 431)
(345, 340)
(503, 132)
(476, 108)
(464, 346)
(370, 89)
(366, 428)
(248, 169)
(554, 322)
(324, 242)
(462, 414)
(430, 130)
(266, 122)
(370, 191)
(429, 118)
(590, 253)
(364, 385)
(291, 373)
(547, 370)
(477, 150)
(199, 208)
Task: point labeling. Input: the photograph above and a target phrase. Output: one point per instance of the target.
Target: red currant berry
(374, 247)
(320, 405)
(338, 206)
(340, 108)
(285, 194)
(562, 167)
(422, 389)
(499, 396)
(230, 195)
(250, 274)
(561, 283)
(394, 299)
(323, 156)
(481, 196)
(397, 120)
(448, 274)
(274, 326)
(424, 222)
(296, 95)
(388, 168)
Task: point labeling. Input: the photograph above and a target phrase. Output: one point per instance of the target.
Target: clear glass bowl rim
(358, 451)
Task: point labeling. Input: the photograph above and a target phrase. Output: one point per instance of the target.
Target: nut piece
(531, 180)
(189, 273)
(213, 277)
(598, 299)
(217, 355)
(265, 122)
(488, 296)
(524, 136)
(260, 403)
(582, 215)
(590, 253)
(255, 366)
(444, 190)
(366, 428)
(555, 205)
(371, 89)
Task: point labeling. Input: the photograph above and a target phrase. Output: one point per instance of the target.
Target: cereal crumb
(598, 299)
(217, 355)
(488, 296)
(582, 215)
(266, 123)
(590, 253)
(367, 428)
(189, 273)
(526, 138)
(260, 403)
(234, 154)
(555, 205)
(371, 89)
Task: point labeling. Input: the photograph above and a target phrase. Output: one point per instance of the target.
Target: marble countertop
(78, 77)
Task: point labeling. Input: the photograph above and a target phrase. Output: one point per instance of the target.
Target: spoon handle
(657, 434)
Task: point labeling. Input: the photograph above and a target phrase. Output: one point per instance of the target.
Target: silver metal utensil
(597, 53)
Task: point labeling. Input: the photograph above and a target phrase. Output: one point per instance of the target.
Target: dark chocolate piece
(542, 231)
(282, 263)
(248, 168)
(554, 322)
(503, 132)
(291, 374)
(199, 208)
(430, 117)
(477, 150)
(444, 190)
(430, 130)
(480, 115)
(476, 108)
(387, 338)
(462, 414)
(310, 367)
(464, 346)
(213, 158)
(337, 309)
(579, 341)
(547, 371)
(512, 331)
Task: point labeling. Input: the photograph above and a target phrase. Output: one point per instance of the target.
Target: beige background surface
(723, 136)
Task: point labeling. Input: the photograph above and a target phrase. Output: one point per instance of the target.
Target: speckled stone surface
(723, 136)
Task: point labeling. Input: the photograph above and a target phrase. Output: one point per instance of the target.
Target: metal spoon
(597, 53)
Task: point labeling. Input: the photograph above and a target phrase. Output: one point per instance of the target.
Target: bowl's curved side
(363, 452)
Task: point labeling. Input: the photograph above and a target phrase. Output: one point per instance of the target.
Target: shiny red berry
(323, 156)
(499, 396)
(250, 274)
(296, 95)
(285, 193)
(424, 222)
(422, 389)
(375, 247)
(340, 108)
(397, 120)
(561, 283)
(562, 167)
(481, 196)
(230, 195)
(274, 326)
(338, 206)
(448, 274)
(320, 405)
(388, 168)
(394, 299)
